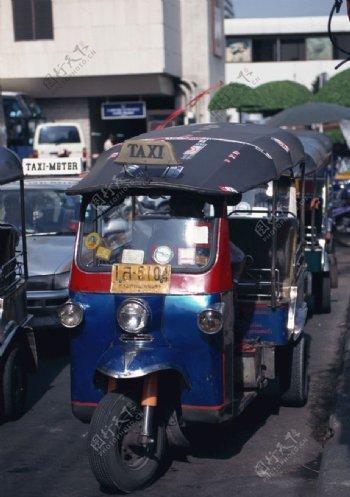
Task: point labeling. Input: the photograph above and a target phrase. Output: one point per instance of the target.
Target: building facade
(115, 66)
(275, 49)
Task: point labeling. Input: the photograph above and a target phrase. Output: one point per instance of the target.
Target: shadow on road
(53, 357)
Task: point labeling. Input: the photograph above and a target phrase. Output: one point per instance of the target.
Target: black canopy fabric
(214, 158)
(10, 166)
(318, 149)
(310, 113)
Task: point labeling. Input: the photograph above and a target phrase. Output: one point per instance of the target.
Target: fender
(135, 362)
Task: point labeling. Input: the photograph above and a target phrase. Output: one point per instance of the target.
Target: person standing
(109, 142)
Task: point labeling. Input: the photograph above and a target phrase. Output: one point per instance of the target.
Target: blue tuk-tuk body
(164, 330)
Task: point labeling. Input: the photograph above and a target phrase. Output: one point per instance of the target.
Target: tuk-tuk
(320, 247)
(17, 343)
(341, 203)
(162, 334)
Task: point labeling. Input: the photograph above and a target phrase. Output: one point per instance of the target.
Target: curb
(334, 478)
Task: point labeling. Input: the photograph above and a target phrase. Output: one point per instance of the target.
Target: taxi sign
(52, 167)
(140, 278)
(155, 152)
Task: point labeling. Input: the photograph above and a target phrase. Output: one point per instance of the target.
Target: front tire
(293, 374)
(14, 383)
(116, 457)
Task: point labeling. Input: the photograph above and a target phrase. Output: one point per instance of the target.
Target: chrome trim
(127, 338)
(48, 294)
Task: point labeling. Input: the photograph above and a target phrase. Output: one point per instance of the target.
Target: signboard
(155, 152)
(123, 110)
(52, 167)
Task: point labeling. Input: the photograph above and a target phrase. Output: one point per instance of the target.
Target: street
(267, 451)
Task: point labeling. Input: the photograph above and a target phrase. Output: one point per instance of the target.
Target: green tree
(279, 95)
(233, 96)
(336, 90)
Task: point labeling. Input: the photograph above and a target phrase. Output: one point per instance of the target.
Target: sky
(284, 8)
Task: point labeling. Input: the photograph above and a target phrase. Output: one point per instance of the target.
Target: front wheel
(14, 383)
(293, 373)
(117, 458)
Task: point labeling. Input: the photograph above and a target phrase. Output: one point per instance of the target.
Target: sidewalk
(334, 478)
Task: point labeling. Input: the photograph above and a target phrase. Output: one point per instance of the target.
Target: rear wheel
(14, 383)
(293, 374)
(117, 458)
(322, 292)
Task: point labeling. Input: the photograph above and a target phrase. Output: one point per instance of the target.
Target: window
(264, 49)
(238, 50)
(318, 49)
(343, 41)
(292, 48)
(32, 19)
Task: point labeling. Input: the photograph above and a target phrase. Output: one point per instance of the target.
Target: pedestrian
(109, 142)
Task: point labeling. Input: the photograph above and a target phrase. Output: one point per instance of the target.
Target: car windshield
(144, 230)
(59, 134)
(47, 211)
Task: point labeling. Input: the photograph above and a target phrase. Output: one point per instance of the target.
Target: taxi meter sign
(155, 152)
(52, 167)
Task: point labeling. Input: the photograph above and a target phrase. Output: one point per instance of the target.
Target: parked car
(51, 223)
(59, 139)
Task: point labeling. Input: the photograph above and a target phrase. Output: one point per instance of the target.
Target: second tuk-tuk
(162, 334)
(320, 247)
(17, 342)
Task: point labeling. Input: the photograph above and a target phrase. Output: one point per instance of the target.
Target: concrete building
(297, 49)
(75, 55)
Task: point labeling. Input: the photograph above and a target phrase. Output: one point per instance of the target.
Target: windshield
(59, 134)
(258, 201)
(144, 230)
(47, 211)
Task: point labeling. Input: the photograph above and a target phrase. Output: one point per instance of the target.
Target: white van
(59, 139)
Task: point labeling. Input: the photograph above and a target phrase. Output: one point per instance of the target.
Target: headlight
(70, 314)
(61, 281)
(133, 315)
(211, 320)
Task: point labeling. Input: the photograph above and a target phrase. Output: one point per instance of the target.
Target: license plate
(140, 278)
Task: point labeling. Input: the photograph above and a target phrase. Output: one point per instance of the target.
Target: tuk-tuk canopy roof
(214, 159)
(318, 149)
(10, 166)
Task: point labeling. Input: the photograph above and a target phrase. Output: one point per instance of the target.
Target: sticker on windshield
(186, 256)
(103, 253)
(132, 256)
(200, 234)
(92, 240)
(162, 254)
